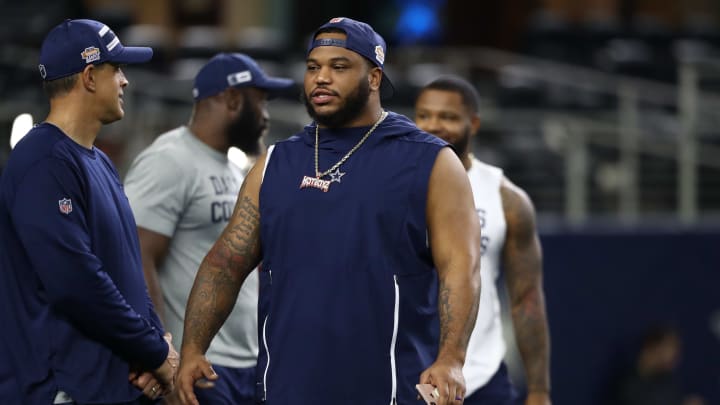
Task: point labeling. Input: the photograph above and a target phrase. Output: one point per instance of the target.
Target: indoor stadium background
(607, 112)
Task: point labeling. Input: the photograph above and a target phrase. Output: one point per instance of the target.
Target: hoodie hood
(341, 139)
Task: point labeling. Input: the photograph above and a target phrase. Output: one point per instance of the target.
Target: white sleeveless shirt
(486, 348)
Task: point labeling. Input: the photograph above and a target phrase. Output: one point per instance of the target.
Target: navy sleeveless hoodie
(348, 294)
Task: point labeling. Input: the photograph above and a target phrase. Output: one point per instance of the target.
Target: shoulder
(402, 128)
(517, 205)
(170, 144)
(44, 140)
(45, 147)
(170, 151)
(294, 139)
(419, 136)
(487, 169)
(485, 178)
(106, 160)
(448, 173)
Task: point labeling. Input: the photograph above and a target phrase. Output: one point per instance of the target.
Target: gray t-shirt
(181, 188)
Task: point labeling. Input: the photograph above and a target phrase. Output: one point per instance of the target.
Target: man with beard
(370, 247)
(448, 108)
(182, 190)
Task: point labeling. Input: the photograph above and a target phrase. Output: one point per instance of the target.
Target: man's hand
(195, 371)
(165, 374)
(161, 381)
(147, 383)
(448, 379)
(538, 398)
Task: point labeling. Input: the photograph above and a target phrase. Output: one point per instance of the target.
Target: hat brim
(132, 54)
(275, 85)
(387, 90)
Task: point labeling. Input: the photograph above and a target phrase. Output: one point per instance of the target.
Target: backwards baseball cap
(235, 70)
(359, 38)
(74, 44)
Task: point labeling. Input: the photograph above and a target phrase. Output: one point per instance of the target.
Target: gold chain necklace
(347, 155)
(324, 185)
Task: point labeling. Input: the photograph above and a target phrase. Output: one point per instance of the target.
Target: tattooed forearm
(470, 324)
(240, 242)
(523, 266)
(457, 309)
(523, 274)
(446, 316)
(531, 334)
(221, 274)
(210, 303)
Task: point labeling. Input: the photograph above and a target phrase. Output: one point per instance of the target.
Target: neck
(466, 159)
(369, 116)
(72, 117)
(210, 132)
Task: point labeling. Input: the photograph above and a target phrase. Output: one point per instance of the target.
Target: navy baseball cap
(74, 44)
(235, 70)
(359, 38)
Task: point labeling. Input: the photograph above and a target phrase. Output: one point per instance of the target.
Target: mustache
(324, 90)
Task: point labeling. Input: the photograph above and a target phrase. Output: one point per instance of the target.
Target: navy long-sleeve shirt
(73, 299)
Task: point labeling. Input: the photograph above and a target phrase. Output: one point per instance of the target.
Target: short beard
(461, 146)
(245, 132)
(354, 105)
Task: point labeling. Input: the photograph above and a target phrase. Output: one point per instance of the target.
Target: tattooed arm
(522, 262)
(233, 256)
(455, 242)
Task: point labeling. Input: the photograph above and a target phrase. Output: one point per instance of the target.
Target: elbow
(70, 295)
(63, 299)
(468, 265)
(529, 299)
(473, 274)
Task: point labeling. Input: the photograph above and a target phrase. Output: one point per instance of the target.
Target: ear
(374, 78)
(88, 78)
(234, 99)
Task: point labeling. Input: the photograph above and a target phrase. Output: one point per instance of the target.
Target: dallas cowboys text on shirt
(222, 209)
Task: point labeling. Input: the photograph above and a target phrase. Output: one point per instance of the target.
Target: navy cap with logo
(360, 38)
(74, 44)
(235, 70)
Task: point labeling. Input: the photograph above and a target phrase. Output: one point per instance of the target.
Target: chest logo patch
(65, 206)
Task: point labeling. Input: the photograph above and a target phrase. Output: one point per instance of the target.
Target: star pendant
(336, 175)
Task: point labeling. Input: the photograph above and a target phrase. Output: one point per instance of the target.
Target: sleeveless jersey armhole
(267, 159)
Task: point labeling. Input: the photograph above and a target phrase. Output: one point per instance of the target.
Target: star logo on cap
(43, 72)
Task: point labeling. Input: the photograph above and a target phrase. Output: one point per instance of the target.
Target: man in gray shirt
(182, 190)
